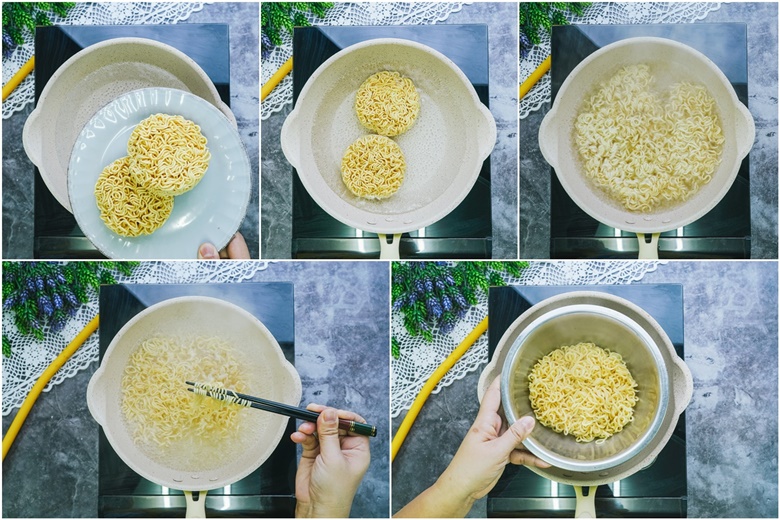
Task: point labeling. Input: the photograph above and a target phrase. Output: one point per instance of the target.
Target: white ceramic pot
(680, 62)
(444, 149)
(195, 315)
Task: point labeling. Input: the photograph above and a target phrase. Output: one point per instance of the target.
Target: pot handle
(389, 251)
(32, 138)
(290, 137)
(96, 397)
(486, 378)
(648, 250)
(548, 137)
(196, 507)
(586, 505)
(487, 132)
(682, 384)
(745, 129)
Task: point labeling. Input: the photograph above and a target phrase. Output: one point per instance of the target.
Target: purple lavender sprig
(439, 294)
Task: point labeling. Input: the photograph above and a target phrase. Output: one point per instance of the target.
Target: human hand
(332, 465)
(487, 448)
(236, 250)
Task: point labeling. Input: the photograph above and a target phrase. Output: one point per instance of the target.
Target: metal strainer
(608, 329)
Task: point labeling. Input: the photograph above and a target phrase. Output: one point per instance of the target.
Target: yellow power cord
(18, 77)
(535, 76)
(276, 79)
(39, 385)
(448, 363)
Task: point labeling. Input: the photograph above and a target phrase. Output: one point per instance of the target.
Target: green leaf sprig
(537, 18)
(21, 18)
(277, 18)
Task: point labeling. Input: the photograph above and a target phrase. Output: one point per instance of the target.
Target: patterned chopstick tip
(229, 396)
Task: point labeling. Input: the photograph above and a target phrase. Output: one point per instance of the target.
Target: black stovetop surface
(724, 232)
(657, 491)
(267, 492)
(56, 234)
(467, 231)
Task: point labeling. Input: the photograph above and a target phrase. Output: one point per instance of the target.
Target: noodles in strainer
(168, 154)
(387, 103)
(646, 149)
(583, 390)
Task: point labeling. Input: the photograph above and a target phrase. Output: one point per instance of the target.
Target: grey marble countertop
(761, 20)
(18, 180)
(731, 348)
(341, 335)
(501, 18)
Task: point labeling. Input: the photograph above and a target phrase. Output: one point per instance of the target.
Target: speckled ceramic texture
(200, 316)
(444, 150)
(210, 212)
(91, 79)
(669, 59)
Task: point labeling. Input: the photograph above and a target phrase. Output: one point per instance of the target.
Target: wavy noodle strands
(373, 167)
(387, 103)
(583, 390)
(648, 150)
(126, 208)
(168, 154)
(162, 415)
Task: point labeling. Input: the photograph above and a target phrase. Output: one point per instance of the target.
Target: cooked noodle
(583, 390)
(168, 154)
(648, 150)
(160, 412)
(373, 167)
(387, 103)
(126, 208)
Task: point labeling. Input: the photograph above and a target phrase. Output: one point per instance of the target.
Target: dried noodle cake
(126, 208)
(387, 103)
(373, 167)
(168, 154)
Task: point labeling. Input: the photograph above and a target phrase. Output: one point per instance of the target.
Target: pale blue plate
(211, 212)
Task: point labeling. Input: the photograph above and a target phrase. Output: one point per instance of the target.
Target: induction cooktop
(269, 490)
(724, 232)
(658, 491)
(467, 231)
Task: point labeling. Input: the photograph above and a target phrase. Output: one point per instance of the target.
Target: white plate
(88, 81)
(210, 212)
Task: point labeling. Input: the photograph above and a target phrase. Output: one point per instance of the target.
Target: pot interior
(670, 62)
(443, 150)
(612, 332)
(266, 372)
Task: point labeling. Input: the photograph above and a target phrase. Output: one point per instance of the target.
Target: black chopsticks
(249, 401)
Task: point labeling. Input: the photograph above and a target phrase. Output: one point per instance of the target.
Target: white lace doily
(90, 13)
(419, 358)
(31, 357)
(606, 13)
(362, 13)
